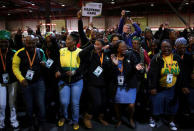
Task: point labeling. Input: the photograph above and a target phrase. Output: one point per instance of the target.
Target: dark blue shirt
(128, 37)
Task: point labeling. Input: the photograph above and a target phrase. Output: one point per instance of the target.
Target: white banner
(92, 9)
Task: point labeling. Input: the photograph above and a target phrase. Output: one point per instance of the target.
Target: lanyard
(169, 66)
(48, 53)
(31, 61)
(101, 58)
(148, 43)
(121, 70)
(153, 53)
(4, 62)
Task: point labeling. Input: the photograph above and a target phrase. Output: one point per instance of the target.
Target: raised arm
(84, 39)
(85, 52)
(137, 31)
(122, 22)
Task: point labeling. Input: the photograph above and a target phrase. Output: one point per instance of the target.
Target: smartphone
(128, 13)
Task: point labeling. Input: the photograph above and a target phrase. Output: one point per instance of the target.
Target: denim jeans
(164, 103)
(35, 93)
(71, 93)
(8, 91)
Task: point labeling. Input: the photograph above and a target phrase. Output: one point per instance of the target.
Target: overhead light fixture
(8, 14)
(63, 5)
(187, 3)
(112, 2)
(3, 6)
(33, 4)
(152, 4)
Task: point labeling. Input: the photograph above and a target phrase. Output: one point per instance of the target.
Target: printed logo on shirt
(175, 69)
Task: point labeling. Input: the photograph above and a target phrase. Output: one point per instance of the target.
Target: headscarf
(5, 35)
(181, 40)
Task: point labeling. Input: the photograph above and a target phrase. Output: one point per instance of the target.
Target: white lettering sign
(92, 9)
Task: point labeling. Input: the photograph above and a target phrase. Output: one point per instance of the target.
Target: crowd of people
(95, 72)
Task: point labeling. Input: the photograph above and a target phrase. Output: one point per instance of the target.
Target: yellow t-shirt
(169, 63)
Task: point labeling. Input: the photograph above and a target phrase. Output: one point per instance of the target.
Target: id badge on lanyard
(5, 78)
(169, 78)
(98, 71)
(49, 63)
(120, 80)
(29, 75)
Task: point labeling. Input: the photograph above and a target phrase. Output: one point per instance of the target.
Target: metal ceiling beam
(178, 15)
(72, 5)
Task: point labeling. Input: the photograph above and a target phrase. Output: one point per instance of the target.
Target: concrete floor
(98, 127)
(143, 126)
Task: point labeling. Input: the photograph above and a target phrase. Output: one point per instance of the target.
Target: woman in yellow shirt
(69, 73)
(164, 78)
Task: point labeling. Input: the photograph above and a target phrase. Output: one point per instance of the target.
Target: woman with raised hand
(96, 74)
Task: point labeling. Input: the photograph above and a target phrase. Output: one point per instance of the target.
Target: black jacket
(9, 59)
(65, 78)
(130, 73)
(52, 53)
(164, 34)
(156, 65)
(188, 67)
(91, 61)
(158, 33)
(18, 41)
(21, 64)
(84, 40)
(111, 50)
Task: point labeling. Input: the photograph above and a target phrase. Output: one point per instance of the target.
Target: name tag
(5, 77)
(29, 75)
(98, 71)
(169, 78)
(120, 80)
(49, 63)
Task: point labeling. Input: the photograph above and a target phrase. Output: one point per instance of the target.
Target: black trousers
(97, 97)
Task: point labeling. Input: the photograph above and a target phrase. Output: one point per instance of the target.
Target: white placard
(92, 9)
